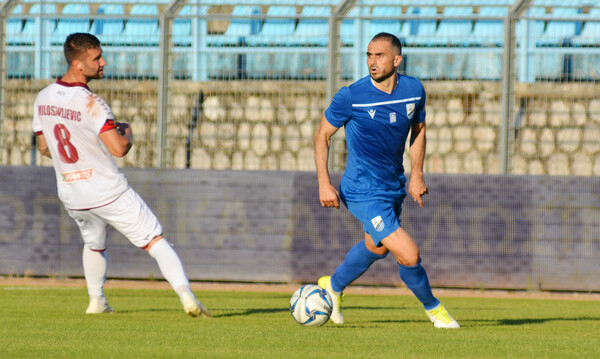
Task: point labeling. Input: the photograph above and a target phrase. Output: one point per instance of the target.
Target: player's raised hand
(329, 196)
(417, 189)
(123, 128)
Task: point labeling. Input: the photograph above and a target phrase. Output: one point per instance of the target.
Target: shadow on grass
(526, 321)
(247, 312)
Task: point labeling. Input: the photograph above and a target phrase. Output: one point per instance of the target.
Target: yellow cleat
(441, 319)
(336, 313)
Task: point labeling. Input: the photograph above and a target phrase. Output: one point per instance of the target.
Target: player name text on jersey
(67, 114)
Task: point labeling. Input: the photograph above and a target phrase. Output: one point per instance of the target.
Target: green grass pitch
(49, 322)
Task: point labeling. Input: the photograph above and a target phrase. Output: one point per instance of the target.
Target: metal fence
(512, 84)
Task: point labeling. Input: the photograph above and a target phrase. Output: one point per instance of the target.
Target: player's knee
(151, 243)
(408, 259)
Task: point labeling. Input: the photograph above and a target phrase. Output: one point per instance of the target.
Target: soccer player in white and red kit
(76, 129)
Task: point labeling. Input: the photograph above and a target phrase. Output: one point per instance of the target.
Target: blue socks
(357, 261)
(416, 280)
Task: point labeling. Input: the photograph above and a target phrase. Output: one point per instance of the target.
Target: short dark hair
(78, 43)
(391, 38)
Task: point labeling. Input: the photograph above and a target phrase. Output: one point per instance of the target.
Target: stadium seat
(590, 32)
(109, 29)
(488, 32)
(182, 28)
(349, 28)
(392, 25)
(454, 32)
(277, 28)
(420, 32)
(30, 32)
(14, 27)
(68, 25)
(142, 30)
(276, 31)
(535, 27)
(312, 32)
(244, 23)
(559, 32)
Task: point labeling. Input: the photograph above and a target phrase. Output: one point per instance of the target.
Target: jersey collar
(397, 81)
(71, 84)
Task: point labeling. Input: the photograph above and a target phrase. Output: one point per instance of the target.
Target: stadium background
(224, 98)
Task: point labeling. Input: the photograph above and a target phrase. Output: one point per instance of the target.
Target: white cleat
(193, 307)
(441, 319)
(336, 313)
(98, 305)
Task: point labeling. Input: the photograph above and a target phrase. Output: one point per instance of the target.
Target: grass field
(48, 322)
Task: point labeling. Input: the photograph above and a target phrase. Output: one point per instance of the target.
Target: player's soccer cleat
(441, 319)
(98, 305)
(336, 314)
(193, 307)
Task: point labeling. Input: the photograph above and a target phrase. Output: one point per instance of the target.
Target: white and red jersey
(71, 117)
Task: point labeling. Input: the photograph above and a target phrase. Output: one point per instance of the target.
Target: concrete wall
(269, 125)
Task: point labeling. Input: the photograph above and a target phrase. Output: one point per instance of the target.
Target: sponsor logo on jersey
(410, 110)
(77, 175)
(378, 223)
(372, 113)
(392, 117)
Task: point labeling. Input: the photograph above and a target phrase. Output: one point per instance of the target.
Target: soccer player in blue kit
(378, 112)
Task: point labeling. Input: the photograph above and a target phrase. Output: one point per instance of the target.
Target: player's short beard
(384, 76)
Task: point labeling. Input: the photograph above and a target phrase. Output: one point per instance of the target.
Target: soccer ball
(311, 305)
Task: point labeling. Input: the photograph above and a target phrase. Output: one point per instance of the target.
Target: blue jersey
(377, 125)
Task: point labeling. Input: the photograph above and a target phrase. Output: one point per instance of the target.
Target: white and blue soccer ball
(311, 305)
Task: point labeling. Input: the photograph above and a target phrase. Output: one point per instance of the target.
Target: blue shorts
(380, 217)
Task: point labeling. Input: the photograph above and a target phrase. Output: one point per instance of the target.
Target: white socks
(170, 266)
(95, 263)
(94, 269)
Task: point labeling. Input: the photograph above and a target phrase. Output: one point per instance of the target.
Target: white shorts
(128, 214)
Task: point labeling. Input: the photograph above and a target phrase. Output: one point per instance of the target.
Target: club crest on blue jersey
(392, 117)
(410, 110)
(372, 113)
(378, 223)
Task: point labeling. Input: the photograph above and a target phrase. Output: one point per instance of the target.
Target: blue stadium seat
(392, 26)
(30, 31)
(312, 32)
(535, 27)
(142, 31)
(275, 32)
(559, 32)
(182, 28)
(420, 32)
(590, 33)
(454, 32)
(489, 32)
(110, 29)
(349, 28)
(181, 33)
(69, 25)
(14, 27)
(244, 23)
(277, 28)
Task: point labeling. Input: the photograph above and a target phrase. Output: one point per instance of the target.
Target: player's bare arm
(42, 146)
(118, 140)
(328, 194)
(416, 186)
